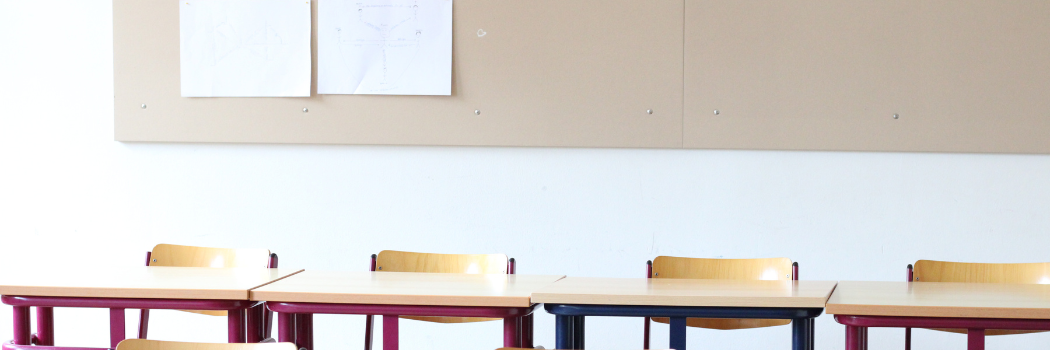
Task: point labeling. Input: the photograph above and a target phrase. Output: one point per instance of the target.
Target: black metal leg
(678, 333)
(802, 334)
(563, 331)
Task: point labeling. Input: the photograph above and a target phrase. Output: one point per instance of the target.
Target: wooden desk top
(405, 288)
(941, 299)
(686, 292)
(140, 282)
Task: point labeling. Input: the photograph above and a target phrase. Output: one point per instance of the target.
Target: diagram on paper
(245, 48)
(387, 47)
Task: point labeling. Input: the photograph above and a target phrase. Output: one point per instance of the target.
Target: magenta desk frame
(857, 327)
(295, 320)
(44, 339)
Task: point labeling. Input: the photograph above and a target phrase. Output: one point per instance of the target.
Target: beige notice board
(960, 76)
(575, 73)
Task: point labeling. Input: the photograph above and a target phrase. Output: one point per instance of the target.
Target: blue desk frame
(570, 320)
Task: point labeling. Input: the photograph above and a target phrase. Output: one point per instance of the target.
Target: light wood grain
(945, 271)
(546, 73)
(685, 292)
(738, 269)
(941, 299)
(397, 261)
(405, 288)
(191, 256)
(143, 344)
(139, 282)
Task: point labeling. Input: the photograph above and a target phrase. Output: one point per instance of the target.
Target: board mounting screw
(477, 112)
(143, 106)
(896, 116)
(716, 112)
(649, 111)
(306, 110)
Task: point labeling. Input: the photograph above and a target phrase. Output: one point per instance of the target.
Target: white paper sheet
(384, 47)
(245, 48)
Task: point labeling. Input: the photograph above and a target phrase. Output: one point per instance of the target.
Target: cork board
(572, 73)
(962, 76)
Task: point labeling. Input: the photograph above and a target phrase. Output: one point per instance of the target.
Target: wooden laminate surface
(941, 299)
(406, 288)
(686, 292)
(140, 282)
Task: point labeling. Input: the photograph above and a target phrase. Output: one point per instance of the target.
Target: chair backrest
(143, 344)
(733, 269)
(945, 271)
(396, 261)
(189, 256)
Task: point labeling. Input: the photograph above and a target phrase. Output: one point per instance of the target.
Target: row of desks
(296, 295)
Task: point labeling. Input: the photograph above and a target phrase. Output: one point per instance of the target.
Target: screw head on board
(477, 112)
(717, 112)
(896, 116)
(143, 106)
(306, 110)
(649, 111)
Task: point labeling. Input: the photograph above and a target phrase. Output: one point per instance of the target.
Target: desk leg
(390, 337)
(304, 334)
(252, 326)
(21, 325)
(678, 333)
(856, 338)
(285, 327)
(512, 332)
(802, 334)
(526, 331)
(563, 332)
(116, 327)
(975, 339)
(45, 326)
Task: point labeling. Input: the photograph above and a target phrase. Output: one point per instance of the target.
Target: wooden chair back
(776, 269)
(397, 261)
(947, 271)
(143, 344)
(190, 256)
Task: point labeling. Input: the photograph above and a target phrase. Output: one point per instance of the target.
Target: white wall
(71, 195)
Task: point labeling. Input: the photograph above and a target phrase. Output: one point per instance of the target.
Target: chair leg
(369, 323)
(143, 323)
(645, 336)
(45, 326)
(975, 339)
(907, 338)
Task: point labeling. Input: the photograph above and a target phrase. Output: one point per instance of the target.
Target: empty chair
(734, 269)
(944, 271)
(190, 256)
(396, 261)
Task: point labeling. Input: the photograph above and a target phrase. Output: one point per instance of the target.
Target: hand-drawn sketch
(245, 48)
(390, 47)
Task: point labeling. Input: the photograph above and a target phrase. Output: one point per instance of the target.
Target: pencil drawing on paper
(245, 48)
(384, 47)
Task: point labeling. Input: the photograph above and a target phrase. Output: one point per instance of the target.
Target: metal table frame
(295, 320)
(243, 315)
(570, 320)
(857, 327)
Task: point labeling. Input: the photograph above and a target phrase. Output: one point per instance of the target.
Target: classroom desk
(144, 287)
(574, 298)
(394, 294)
(974, 307)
